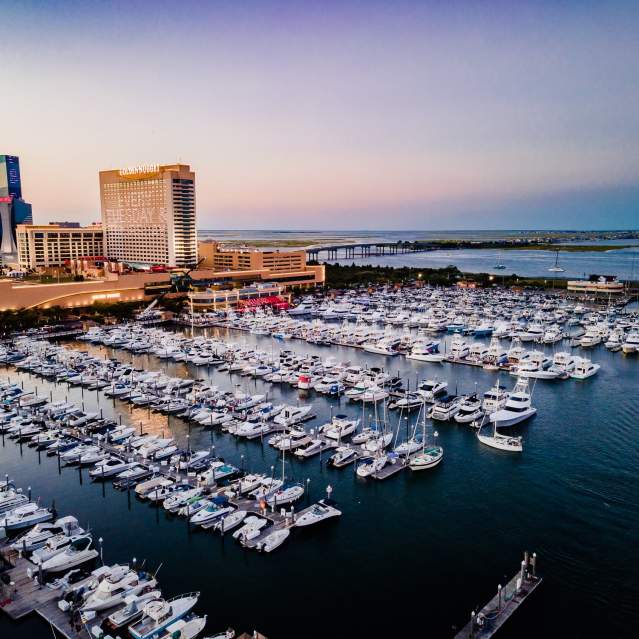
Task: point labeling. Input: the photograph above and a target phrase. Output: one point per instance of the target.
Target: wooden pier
(24, 595)
(500, 608)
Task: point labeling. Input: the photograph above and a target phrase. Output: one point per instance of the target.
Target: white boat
(501, 442)
(10, 499)
(446, 408)
(112, 591)
(159, 614)
(77, 553)
(273, 540)
(187, 628)
(231, 521)
(339, 427)
(431, 388)
(494, 398)
(285, 495)
(322, 510)
(343, 456)
(429, 457)
(518, 406)
(25, 516)
(40, 533)
(584, 368)
(132, 610)
(292, 415)
(252, 528)
(54, 546)
(371, 465)
(109, 467)
(210, 514)
(470, 410)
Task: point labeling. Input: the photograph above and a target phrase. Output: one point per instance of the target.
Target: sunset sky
(332, 115)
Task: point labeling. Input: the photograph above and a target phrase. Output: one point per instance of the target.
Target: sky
(332, 115)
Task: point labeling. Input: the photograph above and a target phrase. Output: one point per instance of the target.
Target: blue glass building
(13, 209)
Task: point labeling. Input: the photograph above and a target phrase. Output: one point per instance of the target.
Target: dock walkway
(485, 623)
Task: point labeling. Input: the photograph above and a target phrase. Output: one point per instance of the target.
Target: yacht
(343, 456)
(231, 521)
(112, 590)
(517, 408)
(631, 343)
(10, 499)
(322, 510)
(446, 408)
(469, 410)
(159, 614)
(339, 427)
(25, 516)
(431, 388)
(584, 368)
(109, 467)
(77, 553)
(291, 415)
(132, 609)
(40, 533)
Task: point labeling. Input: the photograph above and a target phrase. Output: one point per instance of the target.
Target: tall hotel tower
(13, 209)
(148, 215)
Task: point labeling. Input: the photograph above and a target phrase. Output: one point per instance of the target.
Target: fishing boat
(518, 406)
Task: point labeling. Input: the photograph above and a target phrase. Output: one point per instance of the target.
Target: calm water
(417, 550)
(624, 263)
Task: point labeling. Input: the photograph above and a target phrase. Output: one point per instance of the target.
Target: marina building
(47, 246)
(287, 268)
(148, 215)
(13, 209)
(596, 286)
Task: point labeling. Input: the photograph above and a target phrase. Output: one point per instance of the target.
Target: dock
(24, 595)
(501, 607)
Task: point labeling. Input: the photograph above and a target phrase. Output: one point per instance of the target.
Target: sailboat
(556, 268)
(499, 441)
(499, 266)
(431, 455)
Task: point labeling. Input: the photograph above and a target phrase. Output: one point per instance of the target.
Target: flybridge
(142, 169)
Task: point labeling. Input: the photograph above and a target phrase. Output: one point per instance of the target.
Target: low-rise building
(288, 268)
(596, 286)
(52, 246)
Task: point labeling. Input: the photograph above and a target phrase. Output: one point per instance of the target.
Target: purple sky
(332, 114)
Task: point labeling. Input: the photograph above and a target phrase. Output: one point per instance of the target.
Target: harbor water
(411, 555)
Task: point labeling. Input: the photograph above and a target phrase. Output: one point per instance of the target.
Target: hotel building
(13, 209)
(148, 215)
(47, 246)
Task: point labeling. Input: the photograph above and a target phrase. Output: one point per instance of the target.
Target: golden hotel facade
(148, 215)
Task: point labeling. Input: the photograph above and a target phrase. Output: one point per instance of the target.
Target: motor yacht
(324, 509)
(584, 368)
(76, 554)
(470, 409)
(518, 406)
(160, 614)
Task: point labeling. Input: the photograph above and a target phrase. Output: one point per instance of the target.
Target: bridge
(365, 249)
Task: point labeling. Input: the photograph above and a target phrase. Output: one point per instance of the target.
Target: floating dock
(486, 622)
